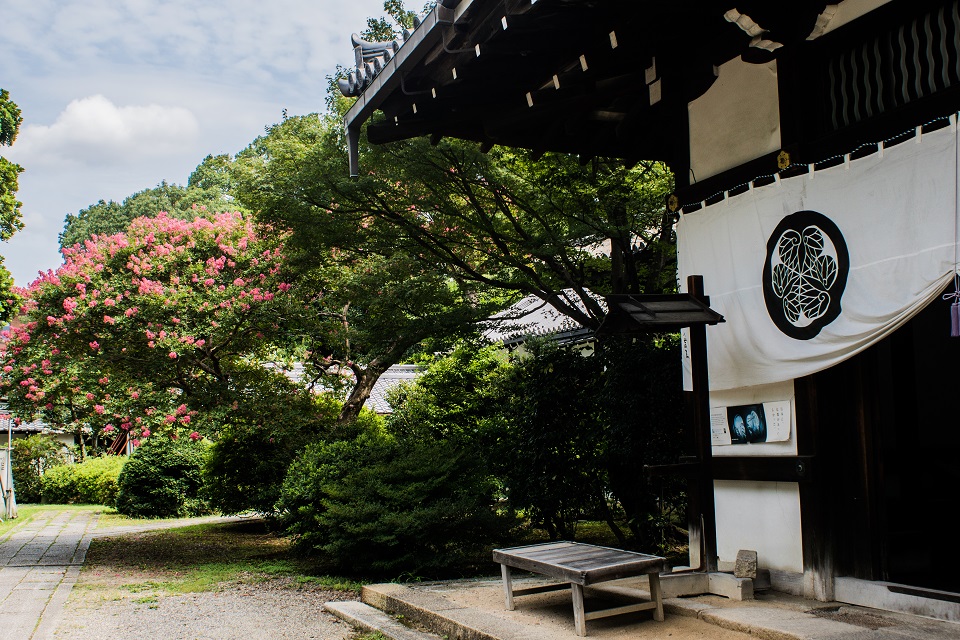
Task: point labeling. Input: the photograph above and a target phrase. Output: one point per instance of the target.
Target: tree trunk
(360, 392)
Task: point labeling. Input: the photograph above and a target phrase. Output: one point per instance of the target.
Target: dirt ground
(108, 607)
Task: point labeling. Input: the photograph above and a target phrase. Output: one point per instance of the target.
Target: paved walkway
(39, 564)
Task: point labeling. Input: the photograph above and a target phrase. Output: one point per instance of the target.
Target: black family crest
(805, 274)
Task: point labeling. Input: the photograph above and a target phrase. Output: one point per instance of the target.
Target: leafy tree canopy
(10, 216)
(376, 299)
(499, 220)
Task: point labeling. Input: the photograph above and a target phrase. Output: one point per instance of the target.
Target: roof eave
(410, 54)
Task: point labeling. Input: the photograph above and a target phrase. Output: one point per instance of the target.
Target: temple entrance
(888, 441)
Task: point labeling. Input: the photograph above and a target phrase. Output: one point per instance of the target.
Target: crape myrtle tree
(162, 329)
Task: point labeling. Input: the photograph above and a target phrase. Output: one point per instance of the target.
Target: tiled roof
(378, 396)
(534, 317)
(393, 376)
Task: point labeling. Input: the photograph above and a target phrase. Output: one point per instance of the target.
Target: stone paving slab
(40, 562)
(35, 572)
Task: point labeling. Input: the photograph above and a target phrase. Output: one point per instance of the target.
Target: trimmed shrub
(31, 457)
(162, 479)
(249, 459)
(376, 505)
(93, 481)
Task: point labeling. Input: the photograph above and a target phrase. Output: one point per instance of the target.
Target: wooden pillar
(703, 501)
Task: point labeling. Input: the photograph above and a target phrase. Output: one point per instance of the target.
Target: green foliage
(374, 300)
(551, 448)
(10, 119)
(10, 217)
(93, 481)
(566, 435)
(31, 457)
(456, 399)
(249, 460)
(162, 479)
(642, 404)
(379, 505)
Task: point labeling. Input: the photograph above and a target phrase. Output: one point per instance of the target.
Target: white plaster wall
(736, 120)
(761, 516)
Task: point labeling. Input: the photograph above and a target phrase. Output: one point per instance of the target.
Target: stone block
(746, 565)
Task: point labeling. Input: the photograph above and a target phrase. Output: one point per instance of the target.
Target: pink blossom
(134, 394)
(109, 319)
(108, 428)
(98, 408)
(94, 345)
(145, 433)
(173, 355)
(194, 435)
(90, 397)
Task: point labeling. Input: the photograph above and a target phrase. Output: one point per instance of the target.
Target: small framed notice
(751, 423)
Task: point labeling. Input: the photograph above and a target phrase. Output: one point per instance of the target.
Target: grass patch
(202, 557)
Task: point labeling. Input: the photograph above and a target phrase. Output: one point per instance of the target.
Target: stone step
(449, 619)
(366, 618)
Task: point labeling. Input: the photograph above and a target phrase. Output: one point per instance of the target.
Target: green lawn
(201, 557)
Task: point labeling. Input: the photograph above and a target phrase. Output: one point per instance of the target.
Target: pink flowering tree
(167, 328)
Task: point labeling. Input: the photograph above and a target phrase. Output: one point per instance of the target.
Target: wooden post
(701, 425)
(579, 620)
(507, 587)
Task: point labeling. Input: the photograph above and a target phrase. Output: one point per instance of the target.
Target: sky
(119, 95)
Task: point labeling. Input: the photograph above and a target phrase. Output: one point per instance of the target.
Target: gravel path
(44, 594)
(260, 611)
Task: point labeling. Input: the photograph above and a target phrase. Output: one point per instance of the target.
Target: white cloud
(94, 131)
(167, 83)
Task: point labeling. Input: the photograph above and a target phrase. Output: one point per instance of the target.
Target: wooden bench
(581, 565)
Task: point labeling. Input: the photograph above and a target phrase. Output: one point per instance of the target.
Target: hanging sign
(809, 271)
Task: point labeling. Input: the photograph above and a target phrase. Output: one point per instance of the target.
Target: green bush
(252, 451)
(376, 505)
(93, 481)
(162, 479)
(31, 456)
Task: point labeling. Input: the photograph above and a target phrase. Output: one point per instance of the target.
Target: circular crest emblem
(805, 274)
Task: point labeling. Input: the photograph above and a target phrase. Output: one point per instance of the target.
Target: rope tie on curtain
(954, 297)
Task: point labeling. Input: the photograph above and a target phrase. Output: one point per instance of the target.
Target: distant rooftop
(378, 396)
(533, 317)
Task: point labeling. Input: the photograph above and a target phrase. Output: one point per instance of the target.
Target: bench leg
(578, 618)
(507, 586)
(656, 594)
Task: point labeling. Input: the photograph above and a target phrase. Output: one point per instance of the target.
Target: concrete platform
(474, 610)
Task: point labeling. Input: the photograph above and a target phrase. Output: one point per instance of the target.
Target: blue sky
(118, 95)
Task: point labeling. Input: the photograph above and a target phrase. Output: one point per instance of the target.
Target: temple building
(815, 151)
